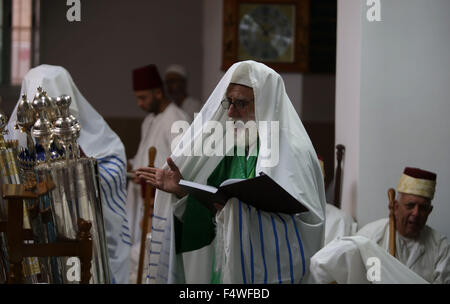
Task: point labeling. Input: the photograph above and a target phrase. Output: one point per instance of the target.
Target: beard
(154, 106)
(244, 136)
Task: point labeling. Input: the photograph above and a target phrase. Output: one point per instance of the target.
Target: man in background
(175, 80)
(155, 132)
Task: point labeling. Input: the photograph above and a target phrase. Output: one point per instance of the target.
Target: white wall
(405, 103)
(401, 118)
(114, 37)
(348, 96)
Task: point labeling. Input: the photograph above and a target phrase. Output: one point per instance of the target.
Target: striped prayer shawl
(112, 172)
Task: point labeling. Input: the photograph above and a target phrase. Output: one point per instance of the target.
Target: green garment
(197, 229)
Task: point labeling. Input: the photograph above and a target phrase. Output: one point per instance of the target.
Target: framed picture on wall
(273, 32)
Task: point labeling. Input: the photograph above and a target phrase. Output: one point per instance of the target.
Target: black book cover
(261, 192)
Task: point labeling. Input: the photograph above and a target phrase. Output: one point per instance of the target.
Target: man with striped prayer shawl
(96, 140)
(238, 243)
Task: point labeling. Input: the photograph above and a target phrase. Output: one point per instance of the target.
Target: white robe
(358, 260)
(338, 223)
(134, 260)
(275, 248)
(428, 255)
(155, 132)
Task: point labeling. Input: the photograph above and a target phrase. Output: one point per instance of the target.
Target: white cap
(177, 69)
(241, 75)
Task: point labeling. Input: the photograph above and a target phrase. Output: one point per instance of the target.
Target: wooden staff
(337, 186)
(147, 204)
(391, 195)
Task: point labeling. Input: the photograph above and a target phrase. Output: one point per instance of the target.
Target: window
(19, 39)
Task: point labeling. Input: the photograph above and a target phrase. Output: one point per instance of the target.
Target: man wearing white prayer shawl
(418, 246)
(155, 132)
(96, 140)
(337, 222)
(239, 244)
(358, 260)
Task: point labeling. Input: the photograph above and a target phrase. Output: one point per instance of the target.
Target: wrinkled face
(243, 103)
(175, 85)
(411, 214)
(148, 100)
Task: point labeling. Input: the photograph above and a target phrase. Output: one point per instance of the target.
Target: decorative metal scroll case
(73, 183)
(76, 195)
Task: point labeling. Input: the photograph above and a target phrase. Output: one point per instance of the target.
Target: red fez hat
(146, 78)
(418, 182)
(419, 173)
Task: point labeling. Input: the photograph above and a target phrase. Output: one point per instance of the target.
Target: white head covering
(177, 69)
(241, 75)
(298, 170)
(96, 137)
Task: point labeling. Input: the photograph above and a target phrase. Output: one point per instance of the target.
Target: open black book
(261, 192)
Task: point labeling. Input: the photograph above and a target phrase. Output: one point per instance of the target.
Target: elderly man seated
(418, 246)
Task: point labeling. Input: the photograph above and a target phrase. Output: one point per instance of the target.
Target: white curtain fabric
(297, 171)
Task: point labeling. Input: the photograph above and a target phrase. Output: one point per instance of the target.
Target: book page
(231, 181)
(195, 185)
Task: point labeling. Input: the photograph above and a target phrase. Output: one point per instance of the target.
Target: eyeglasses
(238, 103)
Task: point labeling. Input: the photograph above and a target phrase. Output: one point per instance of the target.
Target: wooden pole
(338, 176)
(391, 196)
(147, 205)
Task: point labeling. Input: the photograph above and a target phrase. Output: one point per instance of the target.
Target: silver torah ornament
(42, 128)
(26, 118)
(67, 129)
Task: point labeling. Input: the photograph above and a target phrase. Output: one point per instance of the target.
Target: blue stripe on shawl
(240, 242)
(300, 244)
(277, 249)
(121, 173)
(251, 252)
(109, 205)
(112, 196)
(261, 236)
(114, 157)
(122, 199)
(122, 182)
(291, 267)
(157, 230)
(160, 217)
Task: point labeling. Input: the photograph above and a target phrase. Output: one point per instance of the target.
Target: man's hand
(163, 179)
(135, 179)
